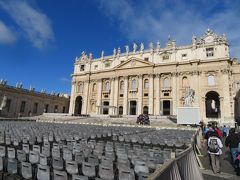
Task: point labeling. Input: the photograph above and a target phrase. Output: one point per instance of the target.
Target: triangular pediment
(133, 63)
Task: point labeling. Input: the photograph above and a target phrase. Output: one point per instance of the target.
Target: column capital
(99, 80)
(157, 75)
(224, 71)
(150, 75)
(140, 76)
(174, 74)
(86, 81)
(125, 77)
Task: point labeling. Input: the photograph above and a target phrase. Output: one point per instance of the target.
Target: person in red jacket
(219, 132)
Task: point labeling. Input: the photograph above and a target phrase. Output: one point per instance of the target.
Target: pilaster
(99, 96)
(140, 94)
(150, 94)
(125, 96)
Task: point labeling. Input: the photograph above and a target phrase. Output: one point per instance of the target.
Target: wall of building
(35, 102)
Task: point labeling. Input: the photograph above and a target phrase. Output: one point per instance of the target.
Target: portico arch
(212, 105)
(237, 107)
(78, 106)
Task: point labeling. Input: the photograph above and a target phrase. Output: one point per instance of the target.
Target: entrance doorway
(237, 108)
(133, 108)
(120, 110)
(212, 105)
(105, 107)
(166, 107)
(78, 106)
(145, 110)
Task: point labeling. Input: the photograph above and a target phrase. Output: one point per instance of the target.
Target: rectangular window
(46, 108)
(8, 104)
(63, 110)
(209, 52)
(121, 95)
(82, 67)
(55, 109)
(165, 57)
(146, 94)
(95, 67)
(22, 107)
(35, 108)
(166, 94)
(146, 59)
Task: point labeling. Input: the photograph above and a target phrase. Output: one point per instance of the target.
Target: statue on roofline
(134, 47)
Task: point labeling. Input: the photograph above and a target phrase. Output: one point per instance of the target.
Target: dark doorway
(105, 107)
(133, 108)
(237, 108)
(78, 106)
(212, 105)
(120, 110)
(166, 108)
(145, 110)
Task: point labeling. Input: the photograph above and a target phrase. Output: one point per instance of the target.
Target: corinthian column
(174, 93)
(140, 94)
(150, 94)
(116, 95)
(72, 100)
(85, 97)
(99, 96)
(111, 111)
(125, 96)
(157, 102)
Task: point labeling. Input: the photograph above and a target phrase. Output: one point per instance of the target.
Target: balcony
(135, 90)
(166, 89)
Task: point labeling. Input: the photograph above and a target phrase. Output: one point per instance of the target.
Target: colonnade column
(150, 94)
(72, 100)
(125, 96)
(99, 96)
(226, 94)
(85, 97)
(157, 101)
(115, 103)
(111, 110)
(174, 93)
(140, 94)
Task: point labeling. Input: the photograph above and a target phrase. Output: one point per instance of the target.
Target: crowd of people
(143, 119)
(215, 137)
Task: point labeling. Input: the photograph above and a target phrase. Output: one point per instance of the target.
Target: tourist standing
(215, 151)
(225, 131)
(232, 142)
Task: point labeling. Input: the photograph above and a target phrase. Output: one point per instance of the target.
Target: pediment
(133, 63)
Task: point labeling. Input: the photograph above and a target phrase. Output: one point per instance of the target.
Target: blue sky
(39, 39)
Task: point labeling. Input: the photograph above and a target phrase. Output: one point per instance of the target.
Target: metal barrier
(183, 167)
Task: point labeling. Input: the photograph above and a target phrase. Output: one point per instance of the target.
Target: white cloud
(6, 34)
(34, 23)
(156, 19)
(63, 79)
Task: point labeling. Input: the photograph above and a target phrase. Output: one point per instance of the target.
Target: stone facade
(19, 102)
(154, 80)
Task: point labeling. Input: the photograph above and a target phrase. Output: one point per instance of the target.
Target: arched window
(94, 87)
(166, 83)
(134, 84)
(211, 80)
(184, 81)
(121, 85)
(146, 84)
(107, 86)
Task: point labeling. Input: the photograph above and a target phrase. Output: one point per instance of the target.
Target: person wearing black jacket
(232, 141)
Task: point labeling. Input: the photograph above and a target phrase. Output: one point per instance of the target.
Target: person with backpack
(215, 151)
(232, 141)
